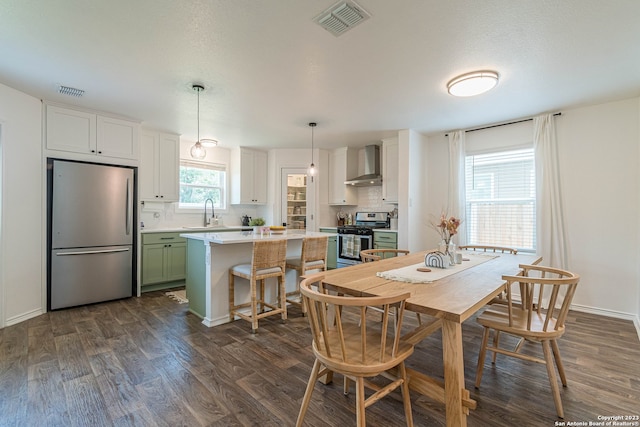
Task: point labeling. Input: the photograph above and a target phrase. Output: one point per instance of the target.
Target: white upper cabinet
(343, 164)
(390, 170)
(90, 134)
(117, 138)
(248, 177)
(159, 166)
(70, 130)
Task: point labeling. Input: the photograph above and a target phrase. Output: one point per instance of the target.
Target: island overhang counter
(209, 257)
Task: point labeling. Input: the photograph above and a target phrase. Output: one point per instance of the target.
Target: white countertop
(224, 228)
(385, 230)
(248, 236)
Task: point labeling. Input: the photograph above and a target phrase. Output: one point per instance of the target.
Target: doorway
(294, 198)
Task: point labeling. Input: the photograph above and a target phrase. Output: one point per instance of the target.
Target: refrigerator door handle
(106, 251)
(128, 212)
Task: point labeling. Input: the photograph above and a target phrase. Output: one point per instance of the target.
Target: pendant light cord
(312, 166)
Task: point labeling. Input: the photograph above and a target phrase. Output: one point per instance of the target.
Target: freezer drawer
(88, 275)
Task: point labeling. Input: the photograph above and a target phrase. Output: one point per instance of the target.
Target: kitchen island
(209, 257)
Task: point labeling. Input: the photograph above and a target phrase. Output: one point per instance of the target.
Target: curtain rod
(503, 124)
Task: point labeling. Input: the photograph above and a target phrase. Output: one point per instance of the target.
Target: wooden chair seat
(497, 317)
(356, 366)
(344, 342)
(313, 257)
(546, 295)
(268, 260)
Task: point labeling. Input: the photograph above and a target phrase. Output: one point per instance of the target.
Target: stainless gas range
(357, 237)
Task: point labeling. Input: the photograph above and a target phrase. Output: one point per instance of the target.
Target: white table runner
(411, 274)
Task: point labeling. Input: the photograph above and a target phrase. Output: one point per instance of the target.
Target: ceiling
(269, 70)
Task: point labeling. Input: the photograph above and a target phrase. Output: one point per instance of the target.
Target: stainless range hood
(371, 175)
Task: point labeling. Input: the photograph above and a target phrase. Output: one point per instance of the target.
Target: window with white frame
(501, 199)
(202, 181)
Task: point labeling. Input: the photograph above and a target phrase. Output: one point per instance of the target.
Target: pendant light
(312, 167)
(198, 151)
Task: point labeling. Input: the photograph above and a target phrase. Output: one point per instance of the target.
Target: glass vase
(451, 251)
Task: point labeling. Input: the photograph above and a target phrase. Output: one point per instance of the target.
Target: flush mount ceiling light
(474, 83)
(207, 142)
(312, 167)
(198, 151)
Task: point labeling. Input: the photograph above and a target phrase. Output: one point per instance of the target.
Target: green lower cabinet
(196, 278)
(153, 264)
(164, 260)
(332, 248)
(385, 240)
(176, 261)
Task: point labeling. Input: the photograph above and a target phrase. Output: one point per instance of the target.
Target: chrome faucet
(208, 221)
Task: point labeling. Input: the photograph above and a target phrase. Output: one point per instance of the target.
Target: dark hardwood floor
(147, 361)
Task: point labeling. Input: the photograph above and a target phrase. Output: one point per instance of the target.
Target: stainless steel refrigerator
(92, 233)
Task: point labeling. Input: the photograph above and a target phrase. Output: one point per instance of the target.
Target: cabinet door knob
(99, 152)
(93, 151)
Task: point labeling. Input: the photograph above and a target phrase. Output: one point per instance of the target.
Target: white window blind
(501, 199)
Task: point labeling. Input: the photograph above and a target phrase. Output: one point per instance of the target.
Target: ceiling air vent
(71, 91)
(342, 17)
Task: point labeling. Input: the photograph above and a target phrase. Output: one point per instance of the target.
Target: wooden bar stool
(268, 260)
(312, 258)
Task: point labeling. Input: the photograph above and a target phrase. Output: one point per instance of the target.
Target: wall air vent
(341, 17)
(71, 91)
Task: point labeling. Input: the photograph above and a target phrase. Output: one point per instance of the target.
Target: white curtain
(456, 196)
(551, 233)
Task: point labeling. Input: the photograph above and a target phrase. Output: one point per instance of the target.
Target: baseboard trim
(24, 316)
(609, 313)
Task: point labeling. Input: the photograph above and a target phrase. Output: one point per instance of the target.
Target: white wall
(599, 153)
(599, 160)
(22, 208)
(417, 232)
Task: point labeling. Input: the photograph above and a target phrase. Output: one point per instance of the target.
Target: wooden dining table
(449, 301)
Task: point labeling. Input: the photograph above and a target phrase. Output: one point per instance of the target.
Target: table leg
(453, 373)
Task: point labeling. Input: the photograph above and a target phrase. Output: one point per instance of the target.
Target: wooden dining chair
(268, 260)
(540, 318)
(344, 342)
(489, 248)
(372, 255)
(500, 299)
(369, 255)
(312, 258)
